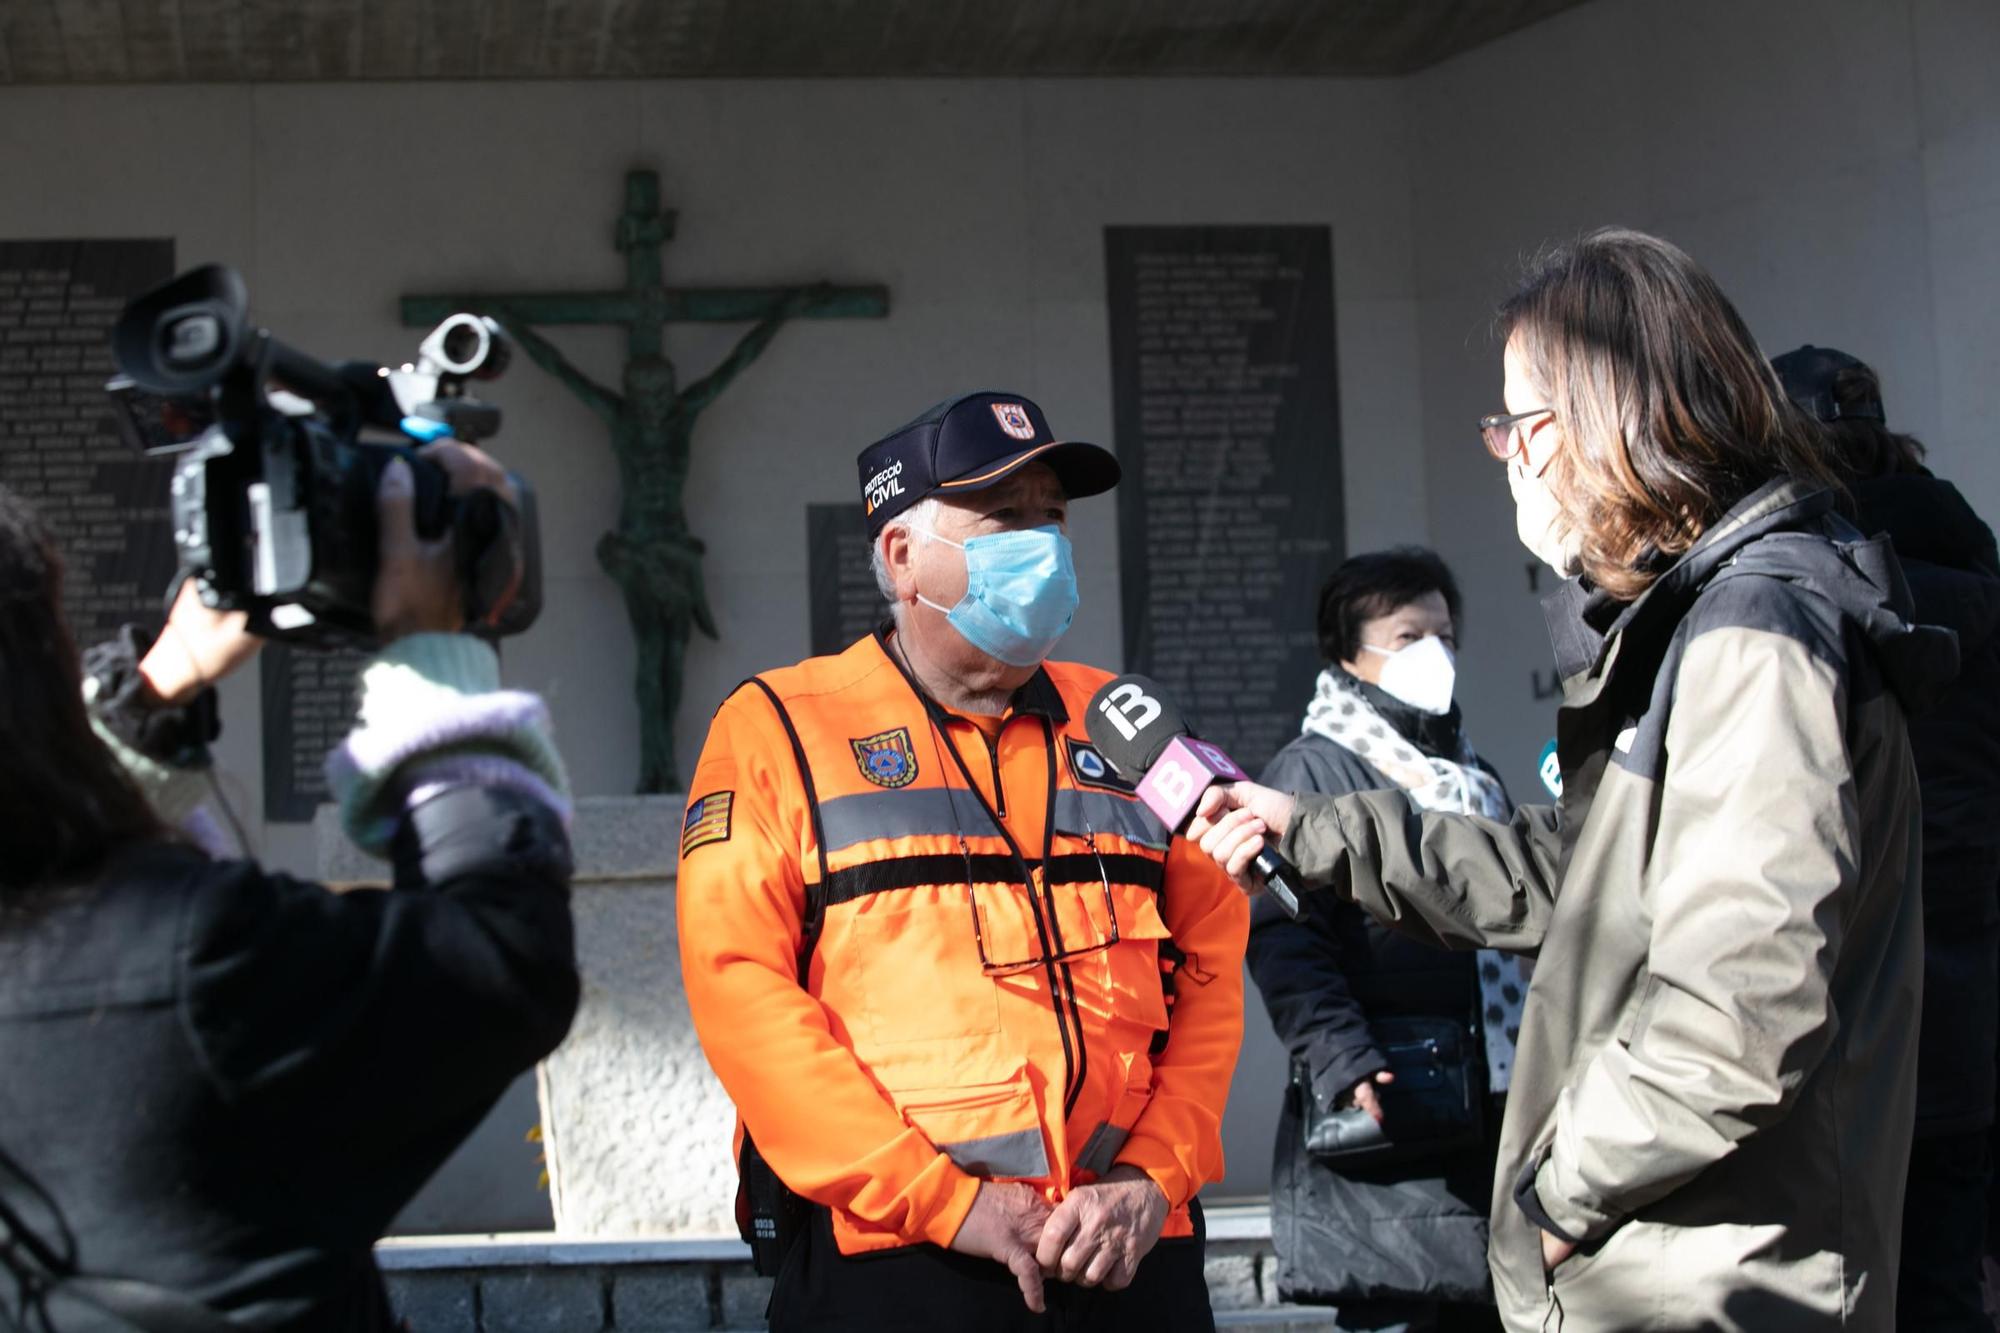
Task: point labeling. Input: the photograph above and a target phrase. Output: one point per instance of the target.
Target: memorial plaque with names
(59, 447)
(309, 702)
(1225, 407)
(846, 604)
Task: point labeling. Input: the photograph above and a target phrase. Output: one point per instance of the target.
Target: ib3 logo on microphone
(1130, 709)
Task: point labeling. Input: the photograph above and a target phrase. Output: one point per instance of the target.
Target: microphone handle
(1279, 876)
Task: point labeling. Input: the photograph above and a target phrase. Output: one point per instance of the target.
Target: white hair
(922, 514)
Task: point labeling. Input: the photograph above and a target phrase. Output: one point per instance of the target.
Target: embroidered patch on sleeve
(707, 821)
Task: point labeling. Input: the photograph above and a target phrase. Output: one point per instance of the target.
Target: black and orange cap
(971, 442)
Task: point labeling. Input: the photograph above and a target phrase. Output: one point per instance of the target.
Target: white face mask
(1539, 523)
(1421, 674)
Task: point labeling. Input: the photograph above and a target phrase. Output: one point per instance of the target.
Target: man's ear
(899, 555)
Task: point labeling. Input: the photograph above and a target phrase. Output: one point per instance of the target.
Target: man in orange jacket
(972, 1001)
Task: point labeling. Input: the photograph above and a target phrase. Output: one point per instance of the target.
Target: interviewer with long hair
(222, 1083)
(1713, 1091)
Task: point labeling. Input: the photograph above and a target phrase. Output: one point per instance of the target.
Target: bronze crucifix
(652, 554)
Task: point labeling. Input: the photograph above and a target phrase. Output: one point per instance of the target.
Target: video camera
(274, 497)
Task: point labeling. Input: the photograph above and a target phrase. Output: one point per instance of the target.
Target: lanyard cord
(972, 788)
(931, 709)
(1075, 1056)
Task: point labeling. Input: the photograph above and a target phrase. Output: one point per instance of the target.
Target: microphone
(1148, 742)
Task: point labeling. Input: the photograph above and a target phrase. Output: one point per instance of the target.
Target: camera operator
(222, 1083)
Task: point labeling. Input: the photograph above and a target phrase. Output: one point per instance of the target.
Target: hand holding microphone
(1146, 740)
(1232, 824)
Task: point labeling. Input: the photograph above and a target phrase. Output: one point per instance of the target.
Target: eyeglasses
(1101, 937)
(1043, 956)
(1502, 431)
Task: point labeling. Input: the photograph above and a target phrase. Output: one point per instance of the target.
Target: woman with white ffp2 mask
(1345, 993)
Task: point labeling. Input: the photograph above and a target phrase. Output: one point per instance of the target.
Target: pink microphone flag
(1184, 770)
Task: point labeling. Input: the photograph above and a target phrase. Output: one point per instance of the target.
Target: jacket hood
(1789, 530)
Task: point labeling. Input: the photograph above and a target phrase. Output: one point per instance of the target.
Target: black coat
(1949, 559)
(1416, 1231)
(230, 1081)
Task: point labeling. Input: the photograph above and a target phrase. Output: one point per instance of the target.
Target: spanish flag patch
(707, 821)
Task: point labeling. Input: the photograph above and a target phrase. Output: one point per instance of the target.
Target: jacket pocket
(1138, 986)
(989, 1130)
(910, 974)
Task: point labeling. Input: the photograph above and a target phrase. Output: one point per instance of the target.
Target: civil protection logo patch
(1090, 769)
(886, 758)
(1013, 419)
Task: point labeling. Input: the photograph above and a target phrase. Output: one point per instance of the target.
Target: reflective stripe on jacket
(965, 1013)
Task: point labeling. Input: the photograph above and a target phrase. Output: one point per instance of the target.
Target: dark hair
(65, 801)
(1860, 448)
(1369, 586)
(1666, 413)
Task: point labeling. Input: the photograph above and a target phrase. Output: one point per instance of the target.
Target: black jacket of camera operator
(231, 1080)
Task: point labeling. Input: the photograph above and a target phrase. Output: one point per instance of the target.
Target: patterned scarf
(1342, 713)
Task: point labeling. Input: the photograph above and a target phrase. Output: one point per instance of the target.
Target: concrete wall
(1835, 163)
(980, 205)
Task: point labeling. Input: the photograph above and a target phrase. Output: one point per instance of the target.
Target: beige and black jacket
(1715, 1080)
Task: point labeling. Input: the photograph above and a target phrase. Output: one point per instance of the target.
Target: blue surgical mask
(1020, 593)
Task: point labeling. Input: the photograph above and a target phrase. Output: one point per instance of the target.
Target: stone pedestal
(636, 1127)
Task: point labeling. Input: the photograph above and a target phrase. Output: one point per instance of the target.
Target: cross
(652, 554)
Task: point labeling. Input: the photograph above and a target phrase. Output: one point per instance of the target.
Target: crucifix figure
(652, 554)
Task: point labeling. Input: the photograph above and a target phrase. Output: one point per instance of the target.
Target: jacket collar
(1584, 620)
(1037, 696)
(1436, 734)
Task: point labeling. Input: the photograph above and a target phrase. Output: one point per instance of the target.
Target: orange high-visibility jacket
(965, 1014)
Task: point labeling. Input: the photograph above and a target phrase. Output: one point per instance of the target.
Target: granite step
(543, 1283)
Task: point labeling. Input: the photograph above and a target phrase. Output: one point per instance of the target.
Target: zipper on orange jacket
(1038, 894)
(1068, 992)
(1061, 986)
(993, 757)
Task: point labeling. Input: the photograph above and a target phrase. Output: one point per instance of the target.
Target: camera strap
(47, 1283)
